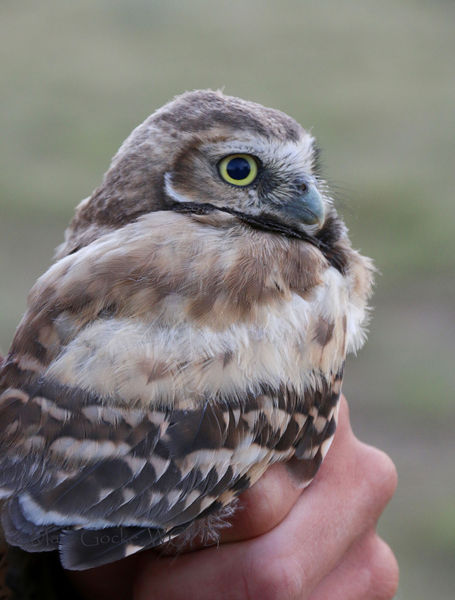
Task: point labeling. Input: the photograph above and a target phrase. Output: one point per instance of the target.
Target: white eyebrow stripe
(170, 190)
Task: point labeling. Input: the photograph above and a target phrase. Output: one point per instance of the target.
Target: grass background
(375, 82)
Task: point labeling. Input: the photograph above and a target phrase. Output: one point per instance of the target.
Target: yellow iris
(238, 169)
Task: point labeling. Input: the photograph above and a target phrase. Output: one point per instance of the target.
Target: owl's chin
(277, 224)
(268, 222)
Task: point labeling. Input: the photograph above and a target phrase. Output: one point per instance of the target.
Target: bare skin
(285, 543)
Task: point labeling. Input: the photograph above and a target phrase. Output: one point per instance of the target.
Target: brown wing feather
(160, 472)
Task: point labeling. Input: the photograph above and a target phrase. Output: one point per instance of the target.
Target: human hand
(284, 544)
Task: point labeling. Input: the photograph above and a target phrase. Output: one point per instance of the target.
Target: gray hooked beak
(306, 208)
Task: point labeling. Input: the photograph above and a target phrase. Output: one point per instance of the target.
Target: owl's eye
(238, 169)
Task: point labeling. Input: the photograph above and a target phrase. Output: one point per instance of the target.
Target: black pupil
(238, 168)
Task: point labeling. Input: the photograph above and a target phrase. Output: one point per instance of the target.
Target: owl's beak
(307, 207)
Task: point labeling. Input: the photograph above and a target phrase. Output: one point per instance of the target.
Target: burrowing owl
(191, 332)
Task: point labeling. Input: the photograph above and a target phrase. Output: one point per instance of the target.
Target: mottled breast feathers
(169, 357)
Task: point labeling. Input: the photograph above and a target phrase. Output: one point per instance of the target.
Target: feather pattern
(159, 473)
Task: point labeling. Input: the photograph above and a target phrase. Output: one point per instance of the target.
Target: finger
(343, 502)
(203, 575)
(268, 502)
(354, 464)
(263, 506)
(369, 571)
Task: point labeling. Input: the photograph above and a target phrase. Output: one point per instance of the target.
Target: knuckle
(379, 474)
(264, 506)
(388, 474)
(384, 571)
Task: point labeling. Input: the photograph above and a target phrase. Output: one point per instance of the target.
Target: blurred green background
(375, 81)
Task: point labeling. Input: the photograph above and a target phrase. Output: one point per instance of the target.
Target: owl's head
(207, 152)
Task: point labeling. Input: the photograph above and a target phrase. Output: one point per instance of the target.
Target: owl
(191, 332)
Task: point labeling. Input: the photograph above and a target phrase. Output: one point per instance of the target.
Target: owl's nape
(192, 332)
